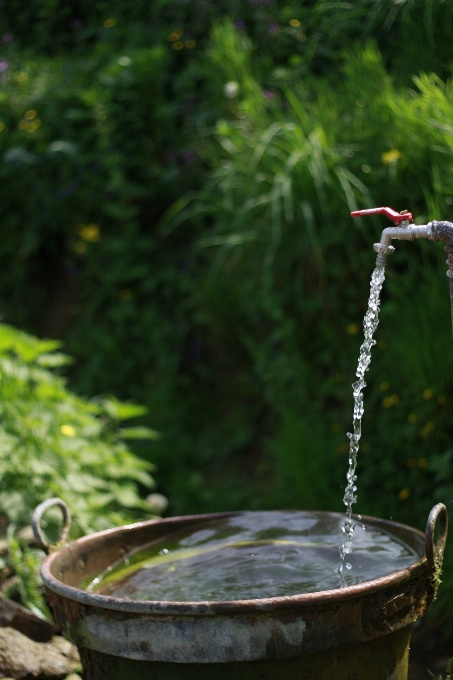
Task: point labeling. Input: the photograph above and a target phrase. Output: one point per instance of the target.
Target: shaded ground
(430, 651)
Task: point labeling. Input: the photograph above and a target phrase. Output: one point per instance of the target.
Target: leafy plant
(54, 443)
(26, 584)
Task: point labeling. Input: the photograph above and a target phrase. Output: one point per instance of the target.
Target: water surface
(251, 555)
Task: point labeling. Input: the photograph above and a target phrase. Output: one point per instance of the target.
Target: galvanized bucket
(353, 633)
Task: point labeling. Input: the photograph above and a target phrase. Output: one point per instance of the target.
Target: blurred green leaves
(54, 443)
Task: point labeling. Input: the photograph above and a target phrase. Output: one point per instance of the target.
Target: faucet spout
(405, 232)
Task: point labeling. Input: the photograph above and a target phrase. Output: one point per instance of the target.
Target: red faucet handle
(397, 217)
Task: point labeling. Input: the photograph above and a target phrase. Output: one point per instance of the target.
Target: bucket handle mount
(435, 551)
(39, 511)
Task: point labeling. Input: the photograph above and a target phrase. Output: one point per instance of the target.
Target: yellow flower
(353, 329)
(429, 427)
(384, 386)
(175, 35)
(422, 462)
(391, 156)
(391, 401)
(34, 125)
(190, 44)
(80, 247)
(294, 23)
(67, 430)
(360, 102)
(89, 232)
(108, 23)
(427, 394)
(29, 125)
(404, 493)
(441, 400)
(125, 294)
(29, 115)
(412, 418)
(22, 77)
(178, 45)
(2, 127)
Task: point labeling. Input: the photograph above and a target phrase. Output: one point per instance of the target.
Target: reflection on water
(248, 556)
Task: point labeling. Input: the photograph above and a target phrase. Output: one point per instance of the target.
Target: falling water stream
(370, 324)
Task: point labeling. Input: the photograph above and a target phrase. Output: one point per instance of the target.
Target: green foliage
(54, 443)
(27, 585)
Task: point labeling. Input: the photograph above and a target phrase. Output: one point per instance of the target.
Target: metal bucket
(353, 633)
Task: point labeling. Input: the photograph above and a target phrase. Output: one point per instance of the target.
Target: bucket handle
(39, 511)
(435, 552)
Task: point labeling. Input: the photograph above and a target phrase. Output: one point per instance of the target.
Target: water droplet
(348, 566)
(164, 551)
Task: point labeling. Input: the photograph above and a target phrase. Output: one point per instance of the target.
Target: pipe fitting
(441, 231)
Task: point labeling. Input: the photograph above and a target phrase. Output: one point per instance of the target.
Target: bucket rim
(211, 607)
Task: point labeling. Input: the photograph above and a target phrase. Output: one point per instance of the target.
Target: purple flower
(195, 348)
(71, 271)
(240, 25)
(189, 102)
(273, 26)
(4, 65)
(7, 37)
(269, 94)
(76, 24)
(188, 157)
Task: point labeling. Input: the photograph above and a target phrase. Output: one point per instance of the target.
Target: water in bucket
(251, 555)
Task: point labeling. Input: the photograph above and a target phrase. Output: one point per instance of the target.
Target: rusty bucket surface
(353, 633)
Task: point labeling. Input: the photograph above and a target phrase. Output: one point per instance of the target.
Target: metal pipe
(433, 231)
(444, 231)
